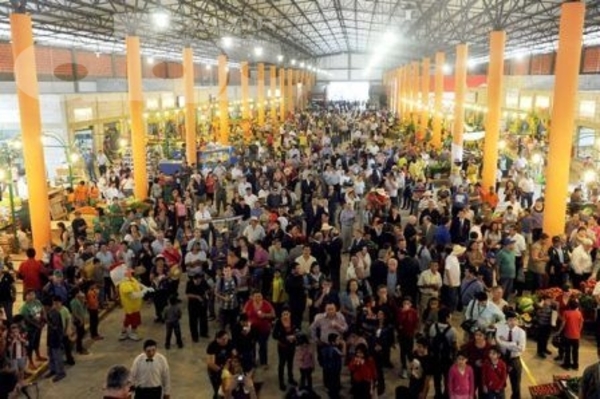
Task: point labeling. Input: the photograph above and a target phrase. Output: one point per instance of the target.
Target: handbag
(558, 341)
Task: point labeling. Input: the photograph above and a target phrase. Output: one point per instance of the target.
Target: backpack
(440, 346)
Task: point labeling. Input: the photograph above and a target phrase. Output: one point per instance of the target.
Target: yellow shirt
(129, 299)
(278, 291)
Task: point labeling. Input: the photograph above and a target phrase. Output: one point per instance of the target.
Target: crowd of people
(334, 242)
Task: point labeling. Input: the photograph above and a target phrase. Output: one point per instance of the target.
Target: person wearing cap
(483, 311)
(507, 268)
(582, 265)
(512, 341)
(452, 276)
(471, 284)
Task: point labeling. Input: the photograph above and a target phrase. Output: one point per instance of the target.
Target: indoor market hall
(243, 199)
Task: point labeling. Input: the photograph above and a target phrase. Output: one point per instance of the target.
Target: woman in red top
(171, 254)
(260, 314)
(571, 327)
(407, 324)
(363, 373)
(494, 375)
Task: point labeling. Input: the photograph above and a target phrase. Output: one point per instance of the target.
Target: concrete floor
(188, 368)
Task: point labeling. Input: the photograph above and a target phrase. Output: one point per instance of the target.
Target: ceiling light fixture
(227, 41)
(302, 65)
(150, 60)
(279, 58)
(293, 62)
(446, 69)
(161, 19)
(258, 51)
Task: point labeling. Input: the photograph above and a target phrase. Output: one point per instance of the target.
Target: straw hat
(326, 227)
(458, 250)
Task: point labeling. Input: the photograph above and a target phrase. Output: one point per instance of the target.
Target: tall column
(417, 95)
(494, 101)
(566, 81)
(31, 128)
(261, 94)
(190, 106)
(289, 90)
(273, 88)
(425, 76)
(460, 90)
(396, 75)
(282, 95)
(436, 139)
(409, 91)
(244, 80)
(223, 101)
(403, 92)
(136, 110)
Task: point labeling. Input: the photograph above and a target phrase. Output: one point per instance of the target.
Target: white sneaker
(133, 336)
(123, 336)
(404, 374)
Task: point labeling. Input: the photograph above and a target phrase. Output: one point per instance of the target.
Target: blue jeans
(56, 361)
(263, 341)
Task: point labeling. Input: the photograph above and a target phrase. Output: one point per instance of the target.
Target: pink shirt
(461, 385)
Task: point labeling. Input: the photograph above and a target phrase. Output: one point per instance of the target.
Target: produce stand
(562, 387)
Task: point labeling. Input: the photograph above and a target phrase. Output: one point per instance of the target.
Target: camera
(240, 379)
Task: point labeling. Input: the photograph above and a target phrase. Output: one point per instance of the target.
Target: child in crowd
(93, 308)
(172, 316)
(17, 348)
(332, 355)
(544, 325)
(430, 315)
(494, 373)
(306, 362)
(278, 292)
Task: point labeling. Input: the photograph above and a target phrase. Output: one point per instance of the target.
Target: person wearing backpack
(443, 340)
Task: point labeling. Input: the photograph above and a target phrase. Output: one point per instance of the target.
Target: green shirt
(78, 310)
(506, 264)
(32, 312)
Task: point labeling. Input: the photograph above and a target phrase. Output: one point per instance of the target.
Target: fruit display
(545, 391)
(555, 293)
(526, 304)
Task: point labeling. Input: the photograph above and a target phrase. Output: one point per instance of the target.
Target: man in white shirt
(250, 198)
(527, 187)
(254, 231)
(102, 161)
(305, 260)
(512, 340)
(429, 283)
(202, 219)
(452, 276)
(242, 186)
(581, 262)
(150, 374)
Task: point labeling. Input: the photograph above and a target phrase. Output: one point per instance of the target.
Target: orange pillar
(460, 90)
(416, 93)
(568, 60)
(409, 90)
(244, 80)
(282, 99)
(494, 100)
(273, 89)
(261, 94)
(425, 76)
(223, 101)
(403, 92)
(289, 90)
(190, 106)
(136, 109)
(436, 138)
(31, 129)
